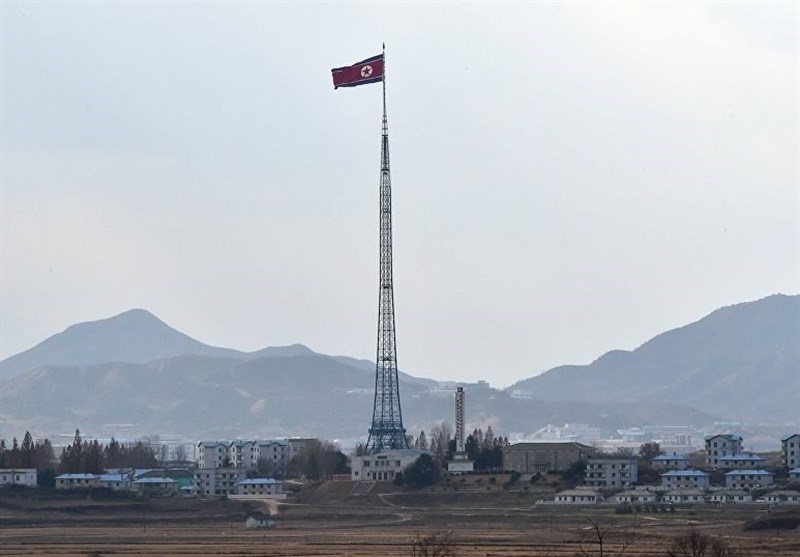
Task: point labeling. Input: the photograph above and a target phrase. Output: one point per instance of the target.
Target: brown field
(327, 522)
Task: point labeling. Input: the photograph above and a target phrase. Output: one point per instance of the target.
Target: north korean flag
(366, 71)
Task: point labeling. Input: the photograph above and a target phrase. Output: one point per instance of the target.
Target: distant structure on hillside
(461, 461)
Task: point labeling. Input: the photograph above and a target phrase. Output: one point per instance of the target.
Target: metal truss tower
(387, 431)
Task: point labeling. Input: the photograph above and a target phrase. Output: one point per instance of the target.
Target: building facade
(722, 445)
(18, 476)
(685, 479)
(543, 457)
(217, 481)
(748, 479)
(382, 466)
(611, 472)
(672, 461)
(790, 451)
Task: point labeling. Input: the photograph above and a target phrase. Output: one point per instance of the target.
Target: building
(790, 451)
(794, 475)
(672, 461)
(635, 496)
(748, 479)
(543, 457)
(721, 445)
(217, 481)
(685, 479)
(382, 466)
(18, 476)
(740, 461)
(611, 472)
(156, 487)
(77, 481)
(678, 496)
(260, 487)
(783, 497)
(730, 496)
(578, 497)
(213, 454)
(117, 482)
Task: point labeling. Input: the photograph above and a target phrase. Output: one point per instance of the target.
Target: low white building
(790, 451)
(117, 482)
(677, 496)
(382, 466)
(727, 496)
(260, 486)
(635, 496)
(578, 497)
(794, 475)
(741, 461)
(783, 497)
(76, 481)
(748, 479)
(611, 472)
(685, 479)
(18, 476)
(156, 487)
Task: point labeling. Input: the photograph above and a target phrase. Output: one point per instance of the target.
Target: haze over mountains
(740, 363)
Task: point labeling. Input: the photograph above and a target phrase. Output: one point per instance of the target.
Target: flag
(366, 71)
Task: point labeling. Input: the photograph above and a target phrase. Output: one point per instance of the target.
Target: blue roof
(113, 477)
(684, 473)
(76, 477)
(749, 473)
(795, 471)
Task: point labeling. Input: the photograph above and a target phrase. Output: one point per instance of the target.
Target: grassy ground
(326, 522)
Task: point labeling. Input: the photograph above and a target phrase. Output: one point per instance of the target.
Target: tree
(3, 454)
(44, 457)
(180, 453)
(697, 544)
(112, 454)
(600, 535)
(472, 448)
(14, 455)
(92, 462)
(319, 460)
(27, 451)
(422, 441)
(488, 439)
(441, 433)
(422, 472)
(648, 451)
(435, 544)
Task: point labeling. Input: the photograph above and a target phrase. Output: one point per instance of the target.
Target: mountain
(740, 362)
(135, 336)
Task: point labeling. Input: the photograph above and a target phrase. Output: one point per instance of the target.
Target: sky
(568, 178)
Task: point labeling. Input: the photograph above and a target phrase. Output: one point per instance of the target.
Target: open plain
(330, 523)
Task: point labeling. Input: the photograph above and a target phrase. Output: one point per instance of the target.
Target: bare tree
(435, 544)
(440, 436)
(601, 536)
(697, 544)
(180, 453)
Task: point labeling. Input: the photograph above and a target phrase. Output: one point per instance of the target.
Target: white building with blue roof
(260, 487)
(672, 461)
(794, 475)
(741, 461)
(74, 481)
(685, 479)
(748, 479)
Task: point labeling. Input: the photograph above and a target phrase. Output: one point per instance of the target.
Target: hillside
(135, 336)
(740, 362)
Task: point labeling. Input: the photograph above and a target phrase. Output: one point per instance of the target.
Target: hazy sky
(568, 178)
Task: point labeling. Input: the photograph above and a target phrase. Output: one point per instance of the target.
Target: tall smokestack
(460, 419)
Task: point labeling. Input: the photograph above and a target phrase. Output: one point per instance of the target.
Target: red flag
(366, 71)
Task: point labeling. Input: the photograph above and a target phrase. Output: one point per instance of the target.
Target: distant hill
(741, 362)
(136, 336)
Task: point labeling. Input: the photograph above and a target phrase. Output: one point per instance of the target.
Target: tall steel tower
(387, 431)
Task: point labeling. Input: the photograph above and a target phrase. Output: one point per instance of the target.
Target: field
(328, 522)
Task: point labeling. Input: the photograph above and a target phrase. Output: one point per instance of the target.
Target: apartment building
(611, 472)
